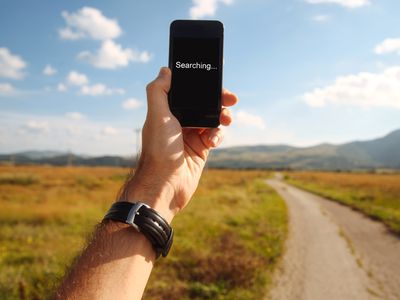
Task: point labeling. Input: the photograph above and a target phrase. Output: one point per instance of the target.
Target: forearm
(116, 265)
(118, 260)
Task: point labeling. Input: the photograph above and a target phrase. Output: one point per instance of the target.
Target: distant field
(377, 195)
(226, 244)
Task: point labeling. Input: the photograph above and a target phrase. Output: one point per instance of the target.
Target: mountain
(35, 154)
(378, 153)
(64, 159)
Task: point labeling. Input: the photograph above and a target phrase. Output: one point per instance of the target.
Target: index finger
(228, 98)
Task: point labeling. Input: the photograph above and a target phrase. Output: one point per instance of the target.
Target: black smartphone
(195, 59)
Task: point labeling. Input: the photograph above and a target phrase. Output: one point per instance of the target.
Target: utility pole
(69, 159)
(137, 133)
(12, 160)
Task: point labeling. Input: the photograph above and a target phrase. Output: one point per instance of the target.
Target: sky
(73, 73)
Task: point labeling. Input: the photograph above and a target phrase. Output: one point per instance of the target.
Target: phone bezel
(207, 118)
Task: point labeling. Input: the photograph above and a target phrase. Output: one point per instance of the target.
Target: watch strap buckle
(133, 212)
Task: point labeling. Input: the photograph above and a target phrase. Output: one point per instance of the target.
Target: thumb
(164, 77)
(157, 92)
(161, 84)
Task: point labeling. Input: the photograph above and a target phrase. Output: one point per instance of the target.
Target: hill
(378, 153)
(64, 159)
(383, 152)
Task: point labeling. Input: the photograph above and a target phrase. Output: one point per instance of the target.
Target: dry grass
(377, 195)
(226, 242)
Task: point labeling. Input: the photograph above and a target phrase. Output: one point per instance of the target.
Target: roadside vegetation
(376, 195)
(226, 244)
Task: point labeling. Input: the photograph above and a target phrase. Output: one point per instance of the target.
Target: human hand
(172, 157)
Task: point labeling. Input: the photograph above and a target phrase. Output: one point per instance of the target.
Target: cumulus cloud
(74, 116)
(112, 56)
(37, 126)
(89, 22)
(247, 119)
(363, 89)
(109, 131)
(68, 34)
(321, 18)
(61, 87)
(49, 70)
(63, 134)
(6, 89)
(77, 79)
(206, 8)
(11, 65)
(131, 103)
(388, 46)
(345, 3)
(100, 89)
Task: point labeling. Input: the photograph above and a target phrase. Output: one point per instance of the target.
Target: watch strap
(145, 220)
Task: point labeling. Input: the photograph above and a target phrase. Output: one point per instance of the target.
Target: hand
(172, 158)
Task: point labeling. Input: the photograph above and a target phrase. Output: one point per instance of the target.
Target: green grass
(376, 195)
(227, 241)
(17, 179)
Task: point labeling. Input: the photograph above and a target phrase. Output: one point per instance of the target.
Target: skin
(118, 260)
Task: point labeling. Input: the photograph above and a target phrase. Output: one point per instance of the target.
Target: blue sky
(73, 73)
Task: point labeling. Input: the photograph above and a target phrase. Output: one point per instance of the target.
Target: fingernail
(215, 140)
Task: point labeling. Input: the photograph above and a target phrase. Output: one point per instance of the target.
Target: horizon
(73, 76)
(61, 152)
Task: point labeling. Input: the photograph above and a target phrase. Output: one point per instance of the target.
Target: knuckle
(152, 86)
(156, 84)
(227, 112)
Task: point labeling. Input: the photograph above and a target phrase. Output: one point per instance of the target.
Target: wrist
(148, 189)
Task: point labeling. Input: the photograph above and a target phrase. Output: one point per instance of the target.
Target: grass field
(226, 244)
(377, 195)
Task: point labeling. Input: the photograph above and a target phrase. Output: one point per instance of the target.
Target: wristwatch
(145, 220)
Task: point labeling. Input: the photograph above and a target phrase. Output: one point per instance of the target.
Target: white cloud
(76, 78)
(206, 8)
(68, 34)
(247, 119)
(112, 56)
(100, 89)
(131, 103)
(61, 87)
(345, 3)
(75, 116)
(11, 65)
(79, 136)
(49, 70)
(37, 126)
(321, 18)
(6, 89)
(109, 131)
(362, 89)
(388, 46)
(89, 22)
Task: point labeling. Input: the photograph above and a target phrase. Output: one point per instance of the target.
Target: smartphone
(195, 59)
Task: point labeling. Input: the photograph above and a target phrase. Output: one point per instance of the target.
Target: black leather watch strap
(147, 221)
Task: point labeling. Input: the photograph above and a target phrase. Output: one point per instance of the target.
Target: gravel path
(333, 252)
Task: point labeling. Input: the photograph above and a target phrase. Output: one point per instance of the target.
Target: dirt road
(333, 252)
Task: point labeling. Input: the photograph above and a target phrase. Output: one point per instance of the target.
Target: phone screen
(195, 72)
